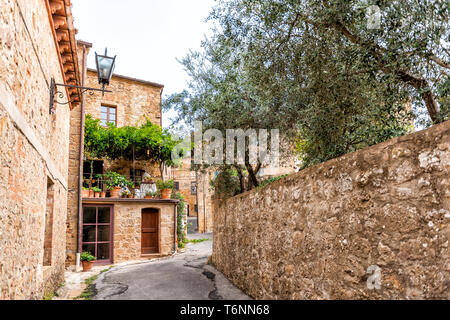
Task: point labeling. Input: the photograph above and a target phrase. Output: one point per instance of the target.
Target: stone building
(37, 44)
(114, 229)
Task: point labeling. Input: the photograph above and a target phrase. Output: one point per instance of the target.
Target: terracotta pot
(130, 196)
(87, 266)
(91, 194)
(166, 194)
(103, 195)
(148, 197)
(97, 195)
(115, 193)
(85, 193)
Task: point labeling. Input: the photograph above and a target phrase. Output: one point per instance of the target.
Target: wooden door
(150, 231)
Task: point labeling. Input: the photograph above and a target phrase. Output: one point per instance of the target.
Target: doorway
(150, 231)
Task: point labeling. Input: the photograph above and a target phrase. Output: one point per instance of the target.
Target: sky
(148, 36)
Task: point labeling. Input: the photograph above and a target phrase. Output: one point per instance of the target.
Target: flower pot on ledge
(148, 197)
(85, 193)
(115, 193)
(166, 194)
(103, 195)
(91, 194)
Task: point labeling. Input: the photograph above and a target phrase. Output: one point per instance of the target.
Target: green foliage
(86, 256)
(97, 190)
(165, 184)
(181, 214)
(114, 179)
(271, 180)
(146, 142)
(226, 184)
(314, 70)
(151, 194)
(197, 240)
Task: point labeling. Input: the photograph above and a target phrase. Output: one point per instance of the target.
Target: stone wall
(134, 99)
(127, 229)
(319, 234)
(33, 151)
(205, 195)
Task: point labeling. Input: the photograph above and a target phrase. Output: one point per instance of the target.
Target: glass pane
(103, 116)
(112, 110)
(89, 215)
(89, 248)
(89, 233)
(104, 215)
(104, 109)
(103, 251)
(103, 234)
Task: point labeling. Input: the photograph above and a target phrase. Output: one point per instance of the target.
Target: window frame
(108, 115)
(97, 225)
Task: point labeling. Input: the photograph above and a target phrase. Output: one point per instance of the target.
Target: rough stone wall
(73, 177)
(134, 100)
(205, 202)
(33, 149)
(127, 229)
(315, 234)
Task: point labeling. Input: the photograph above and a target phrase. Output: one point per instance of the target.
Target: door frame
(159, 232)
(111, 236)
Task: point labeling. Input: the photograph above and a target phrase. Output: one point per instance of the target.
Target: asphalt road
(185, 276)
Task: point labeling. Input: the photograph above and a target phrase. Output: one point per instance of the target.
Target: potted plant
(91, 193)
(131, 187)
(166, 188)
(150, 195)
(97, 192)
(87, 260)
(114, 183)
(85, 192)
(103, 194)
(125, 194)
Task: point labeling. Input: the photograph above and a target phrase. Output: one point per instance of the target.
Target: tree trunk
(252, 174)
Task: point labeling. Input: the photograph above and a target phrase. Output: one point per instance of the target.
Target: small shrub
(86, 256)
(165, 184)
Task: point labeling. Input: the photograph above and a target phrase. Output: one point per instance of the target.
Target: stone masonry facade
(33, 152)
(127, 230)
(321, 233)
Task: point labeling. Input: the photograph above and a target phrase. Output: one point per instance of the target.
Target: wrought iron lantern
(105, 69)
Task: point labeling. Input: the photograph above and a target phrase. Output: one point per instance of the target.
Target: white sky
(146, 35)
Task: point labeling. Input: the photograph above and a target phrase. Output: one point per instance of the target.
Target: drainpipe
(176, 227)
(81, 151)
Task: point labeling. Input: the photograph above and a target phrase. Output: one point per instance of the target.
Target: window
(193, 188)
(48, 236)
(177, 185)
(136, 175)
(97, 231)
(108, 115)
